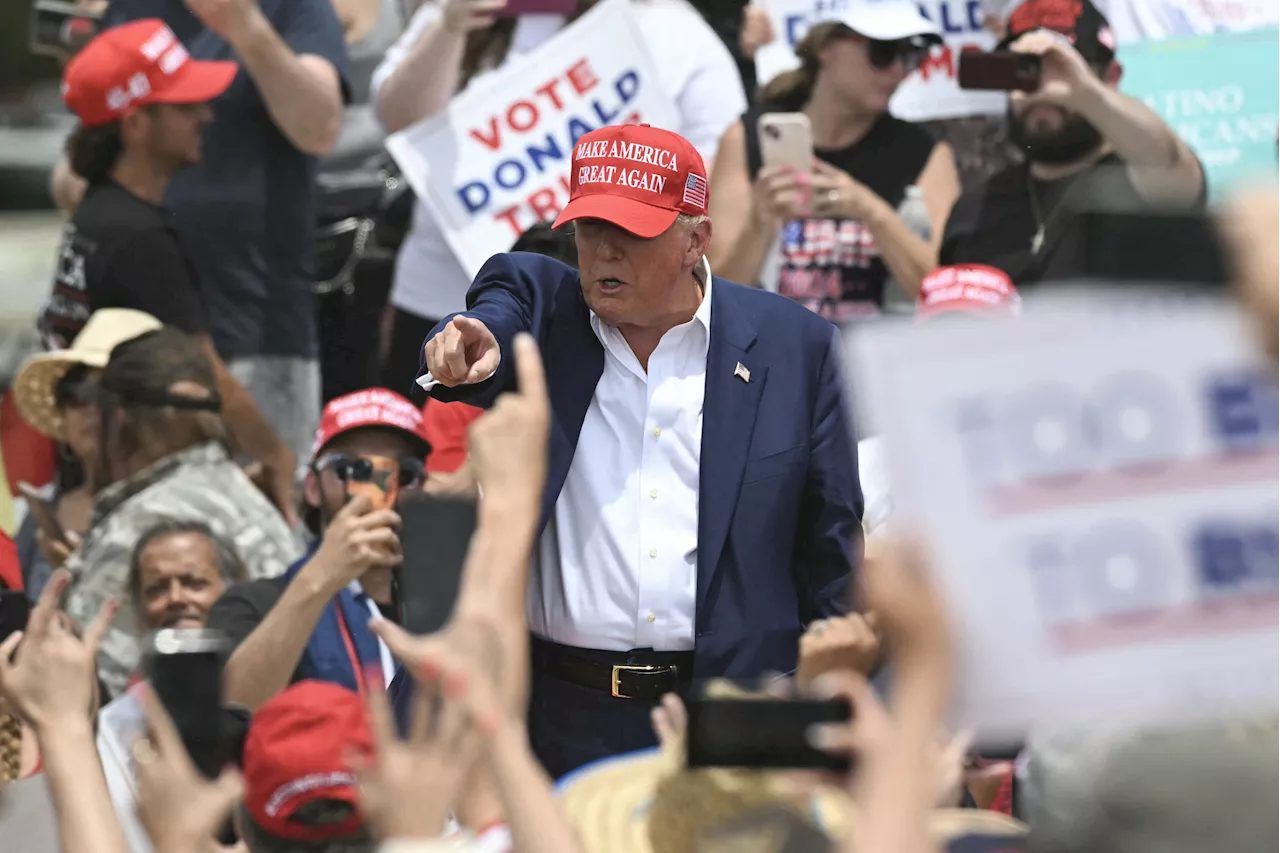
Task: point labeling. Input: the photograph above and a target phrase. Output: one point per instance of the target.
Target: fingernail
(822, 736)
(373, 673)
(455, 684)
(428, 671)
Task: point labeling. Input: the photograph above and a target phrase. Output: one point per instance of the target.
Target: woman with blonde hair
(831, 238)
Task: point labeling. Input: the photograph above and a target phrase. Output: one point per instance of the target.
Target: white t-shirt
(693, 65)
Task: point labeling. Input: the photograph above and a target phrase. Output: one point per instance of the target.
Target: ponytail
(791, 90)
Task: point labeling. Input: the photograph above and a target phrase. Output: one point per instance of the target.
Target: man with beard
(1084, 142)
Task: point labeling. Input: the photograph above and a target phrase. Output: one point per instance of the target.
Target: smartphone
(15, 607)
(1150, 246)
(1001, 71)
(381, 482)
(43, 512)
(435, 536)
(786, 139)
(184, 666)
(60, 29)
(515, 8)
(762, 732)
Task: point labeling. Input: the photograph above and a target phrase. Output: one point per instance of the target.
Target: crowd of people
(643, 402)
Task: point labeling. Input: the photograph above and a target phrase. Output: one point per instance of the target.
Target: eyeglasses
(358, 469)
(910, 51)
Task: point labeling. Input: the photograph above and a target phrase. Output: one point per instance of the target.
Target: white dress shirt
(617, 564)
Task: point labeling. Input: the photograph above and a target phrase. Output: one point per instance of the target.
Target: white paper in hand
(1097, 485)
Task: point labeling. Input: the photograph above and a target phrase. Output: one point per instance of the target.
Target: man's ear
(133, 125)
(699, 242)
(311, 490)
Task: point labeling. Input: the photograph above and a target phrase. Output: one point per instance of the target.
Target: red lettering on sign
(549, 89)
(940, 61)
(522, 107)
(540, 206)
(493, 139)
(509, 216)
(582, 77)
(545, 204)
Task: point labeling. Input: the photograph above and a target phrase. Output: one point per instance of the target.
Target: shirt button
(653, 493)
(657, 431)
(653, 552)
(651, 617)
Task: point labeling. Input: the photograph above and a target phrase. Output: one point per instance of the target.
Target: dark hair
(791, 90)
(137, 382)
(487, 48)
(93, 151)
(230, 566)
(258, 840)
(545, 239)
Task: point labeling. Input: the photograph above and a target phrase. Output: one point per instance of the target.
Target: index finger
(41, 615)
(529, 372)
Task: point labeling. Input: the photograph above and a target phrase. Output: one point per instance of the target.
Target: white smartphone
(786, 139)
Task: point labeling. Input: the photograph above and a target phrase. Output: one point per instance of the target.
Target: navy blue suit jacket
(779, 506)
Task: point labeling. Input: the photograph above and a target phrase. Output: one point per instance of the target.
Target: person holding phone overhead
(451, 45)
(827, 232)
(313, 621)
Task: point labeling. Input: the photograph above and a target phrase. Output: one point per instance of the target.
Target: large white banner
(1097, 486)
(929, 93)
(496, 160)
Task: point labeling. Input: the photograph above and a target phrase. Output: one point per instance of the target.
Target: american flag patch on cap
(695, 191)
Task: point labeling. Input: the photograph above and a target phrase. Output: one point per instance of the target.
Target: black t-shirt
(833, 266)
(120, 251)
(997, 224)
(248, 210)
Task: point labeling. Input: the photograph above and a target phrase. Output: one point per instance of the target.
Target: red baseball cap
(970, 288)
(134, 65)
(296, 753)
(373, 407)
(638, 177)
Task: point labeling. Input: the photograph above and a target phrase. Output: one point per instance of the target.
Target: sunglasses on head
(358, 469)
(75, 388)
(910, 51)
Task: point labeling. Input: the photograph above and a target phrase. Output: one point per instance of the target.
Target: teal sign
(1219, 93)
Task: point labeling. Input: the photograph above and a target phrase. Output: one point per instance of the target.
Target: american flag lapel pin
(742, 373)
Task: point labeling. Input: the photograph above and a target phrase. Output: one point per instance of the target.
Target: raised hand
(227, 18)
(464, 353)
(356, 540)
(465, 16)
(1066, 80)
(842, 642)
(508, 443)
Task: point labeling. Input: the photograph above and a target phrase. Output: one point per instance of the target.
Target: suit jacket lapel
(574, 359)
(729, 409)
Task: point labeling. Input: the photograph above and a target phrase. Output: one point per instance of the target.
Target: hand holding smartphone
(762, 732)
(786, 139)
(999, 71)
(184, 666)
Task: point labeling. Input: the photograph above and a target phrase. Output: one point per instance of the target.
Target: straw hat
(647, 802)
(33, 389)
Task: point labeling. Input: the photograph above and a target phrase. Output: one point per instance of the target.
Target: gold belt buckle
(629, 668)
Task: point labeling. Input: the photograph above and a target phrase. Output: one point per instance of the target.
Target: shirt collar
(702, 316)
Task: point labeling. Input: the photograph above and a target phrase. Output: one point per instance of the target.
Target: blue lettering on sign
(1243, 411)
(1232, 556)
(795, 27)
(515, 169)
(953, 18)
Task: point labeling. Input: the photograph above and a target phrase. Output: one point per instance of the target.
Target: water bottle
(915, 213)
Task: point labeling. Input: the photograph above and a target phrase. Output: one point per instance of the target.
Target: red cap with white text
(373, 407)
(967, 288)
(295, 755)
(135, 65)
(637, 177)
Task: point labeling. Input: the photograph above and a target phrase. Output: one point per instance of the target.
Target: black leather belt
(639, 674)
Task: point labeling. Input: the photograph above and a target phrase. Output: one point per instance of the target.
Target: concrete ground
(28, 247)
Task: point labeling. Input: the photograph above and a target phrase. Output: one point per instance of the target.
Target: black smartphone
(435, 534)
(184, 666)
(15, 607)
(1001, 71)
(1150, 246)
(762, 732)
(60, 29)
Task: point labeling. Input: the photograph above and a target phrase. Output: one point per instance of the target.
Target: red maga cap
(134, 65)
(971, 288)
(373, 407)
(638, 177)
(295, 754)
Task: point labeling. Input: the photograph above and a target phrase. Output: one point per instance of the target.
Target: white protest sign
(928, 93)
(1098, 491)
(496, 160)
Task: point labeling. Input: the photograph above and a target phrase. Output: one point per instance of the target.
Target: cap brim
(642, 220)
(889, 22)
(197, 82)
(33, 388)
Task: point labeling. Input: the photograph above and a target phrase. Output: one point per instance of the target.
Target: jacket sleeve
(513, 292)
(828, 547)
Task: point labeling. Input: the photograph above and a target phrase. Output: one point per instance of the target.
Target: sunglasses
(76, 388)
(911, 52)
(358, 469)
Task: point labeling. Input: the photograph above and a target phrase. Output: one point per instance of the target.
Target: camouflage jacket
(199, 483)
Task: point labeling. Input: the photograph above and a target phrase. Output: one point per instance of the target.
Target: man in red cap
(313, 621)
(973, 289)
(702, 503)
(143, 104)
(299, 791)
